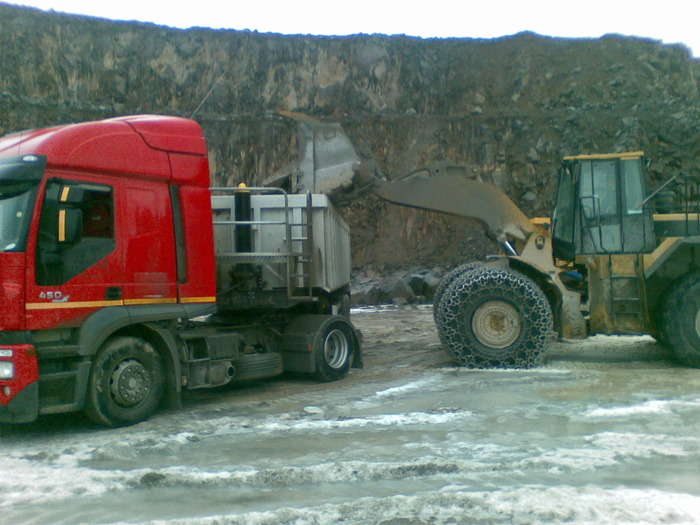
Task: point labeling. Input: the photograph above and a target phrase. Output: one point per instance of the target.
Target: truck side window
(60, 256)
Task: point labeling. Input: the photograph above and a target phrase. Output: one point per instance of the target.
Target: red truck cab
(91, 217)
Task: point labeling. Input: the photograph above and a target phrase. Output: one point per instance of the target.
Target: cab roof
(164, 147)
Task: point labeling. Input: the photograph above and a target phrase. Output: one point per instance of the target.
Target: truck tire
(495, 318)
(680, 320)
(126, 382)
(447, 279)
(334, 347)
(258, 366)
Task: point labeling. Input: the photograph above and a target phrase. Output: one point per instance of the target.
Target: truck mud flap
(304, 333)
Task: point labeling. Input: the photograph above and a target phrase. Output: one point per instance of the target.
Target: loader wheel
(680, 320)
(334, 347)
(447, 280)
(126, 382)
(495, 318)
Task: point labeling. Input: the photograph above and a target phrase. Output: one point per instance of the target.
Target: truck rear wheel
(495, 318)
(334, 347)
(126, 382)
(680, 320)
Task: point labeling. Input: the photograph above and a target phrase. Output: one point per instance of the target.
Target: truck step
(625, 295)
(57, 351)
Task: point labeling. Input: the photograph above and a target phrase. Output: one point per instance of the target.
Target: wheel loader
(613, 258)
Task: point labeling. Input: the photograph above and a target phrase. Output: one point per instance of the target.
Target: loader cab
(600, 206)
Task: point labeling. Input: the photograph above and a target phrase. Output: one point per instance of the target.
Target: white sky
(671, 21)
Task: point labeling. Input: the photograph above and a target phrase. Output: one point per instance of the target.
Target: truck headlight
(5, 352)
(7, 370)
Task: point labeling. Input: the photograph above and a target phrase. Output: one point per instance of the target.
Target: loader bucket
(328, 163)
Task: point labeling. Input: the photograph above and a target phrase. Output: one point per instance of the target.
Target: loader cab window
(612, 217)
(633, 182)
(598, 190)
(76, 230)
(563, 216)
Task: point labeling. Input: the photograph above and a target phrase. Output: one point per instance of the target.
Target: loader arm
(330, 163)
(458, 195)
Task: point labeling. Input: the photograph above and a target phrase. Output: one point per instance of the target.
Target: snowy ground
(607, 431)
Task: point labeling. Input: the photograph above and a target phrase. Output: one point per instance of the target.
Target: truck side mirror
(70, 226)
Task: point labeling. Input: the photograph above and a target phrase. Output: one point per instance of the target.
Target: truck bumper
(22, 408)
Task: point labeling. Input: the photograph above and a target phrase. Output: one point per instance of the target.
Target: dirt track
(606, 431)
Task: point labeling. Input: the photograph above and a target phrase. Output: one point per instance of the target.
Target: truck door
(149, 244)
(77, 267)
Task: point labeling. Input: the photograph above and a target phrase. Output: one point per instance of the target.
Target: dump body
(109, 278)
(300, 241)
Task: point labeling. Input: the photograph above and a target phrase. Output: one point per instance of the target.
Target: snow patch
(607, 449)
(657, 406)
(508, 505)
(350, 423)
(422, 384)
(23, 482)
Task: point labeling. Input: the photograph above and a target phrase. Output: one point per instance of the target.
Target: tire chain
(477, 283)
(447, 280)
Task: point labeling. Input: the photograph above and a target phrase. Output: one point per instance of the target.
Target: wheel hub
(336, 348)
(496, 324)
(130, 383)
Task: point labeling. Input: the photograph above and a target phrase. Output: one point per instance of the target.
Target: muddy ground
(606, 431)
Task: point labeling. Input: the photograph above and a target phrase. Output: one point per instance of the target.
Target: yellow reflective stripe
(61, 225)
(67, 305)
(64, 193)
(126, 302)
(150, 301)
(198, 300)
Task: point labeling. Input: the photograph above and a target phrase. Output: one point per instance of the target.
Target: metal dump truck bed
(275, 249)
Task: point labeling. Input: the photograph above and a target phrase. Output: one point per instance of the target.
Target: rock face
(509, 108)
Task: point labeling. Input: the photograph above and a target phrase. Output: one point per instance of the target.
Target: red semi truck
(125, 278)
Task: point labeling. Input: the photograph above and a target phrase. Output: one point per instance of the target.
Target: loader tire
(495, 318)
(680, 320)
(447, 279)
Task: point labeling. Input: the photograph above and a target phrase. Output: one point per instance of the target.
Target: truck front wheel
(680, 320)
(126, 382)
(494, 318)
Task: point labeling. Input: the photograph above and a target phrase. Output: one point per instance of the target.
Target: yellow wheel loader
(613, 258)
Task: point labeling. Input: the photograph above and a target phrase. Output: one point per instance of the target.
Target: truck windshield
(19, 180)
